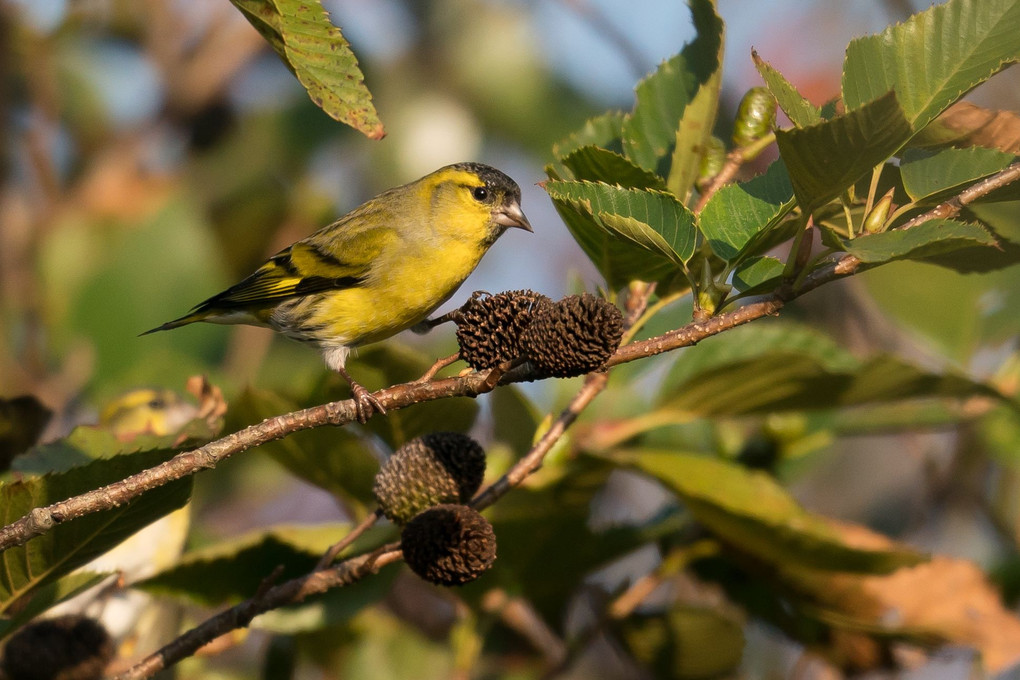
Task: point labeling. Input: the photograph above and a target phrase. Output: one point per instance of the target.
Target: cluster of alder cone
(427, 483)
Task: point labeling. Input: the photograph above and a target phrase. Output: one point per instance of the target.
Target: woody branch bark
(41, 520)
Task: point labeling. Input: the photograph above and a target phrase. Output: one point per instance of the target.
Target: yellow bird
(380, 269)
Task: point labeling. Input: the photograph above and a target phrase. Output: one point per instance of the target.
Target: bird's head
(477, 200)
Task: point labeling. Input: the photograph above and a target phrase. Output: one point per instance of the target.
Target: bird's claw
(364, 403)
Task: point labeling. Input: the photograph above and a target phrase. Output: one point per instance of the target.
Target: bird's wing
(301, 269)
(338, 256)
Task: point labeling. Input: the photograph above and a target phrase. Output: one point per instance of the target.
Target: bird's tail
(177, 323)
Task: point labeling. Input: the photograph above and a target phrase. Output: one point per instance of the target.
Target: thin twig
(593, 385)
(519, 615)
(343, 543)
(437, 367)
(952, 207)
(239, 616)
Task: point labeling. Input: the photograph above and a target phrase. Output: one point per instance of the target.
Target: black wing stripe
(317, 284)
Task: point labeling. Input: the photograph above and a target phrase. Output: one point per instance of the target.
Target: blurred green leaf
(738, 213)
(22, 420)
(331, 458)
(514, 418)
(539, 527)
(654, 220)
(317, 53)
(650, 131)
(938, 304)
(751, 341)
(934, 237)
(799, 110)
(752, 513)
(687, 642)
(232, 570)
(47, 596)
(786, 381)
(595, 164)
(825, 159)
(388, 648)
(69, 545)
(154, 271)
(87, 443)
(933, 58)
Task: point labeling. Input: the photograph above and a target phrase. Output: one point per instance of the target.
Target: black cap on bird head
(509, 213)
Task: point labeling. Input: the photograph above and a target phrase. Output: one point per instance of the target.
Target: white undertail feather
(336, 356)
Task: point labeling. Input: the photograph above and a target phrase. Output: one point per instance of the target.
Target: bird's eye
(480, 193)
(157, 404)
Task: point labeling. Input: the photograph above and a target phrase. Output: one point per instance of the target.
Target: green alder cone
(437, 468)
(756, 116)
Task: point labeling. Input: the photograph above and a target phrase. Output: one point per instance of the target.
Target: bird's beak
(511, 215)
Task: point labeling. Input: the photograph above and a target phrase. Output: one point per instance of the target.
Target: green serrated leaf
(650, 131)
(334, 459)
(603, 131)
(751, 512)
(825, 159)
(232, 570)
(317, 53)
(933, 176)
(595, 164)
(694, 133)
(619, 261)
(934, 237)
(799, 110)
(69, 545)
(737, 213)
(934, 58)
(654, 220)
(999, 219)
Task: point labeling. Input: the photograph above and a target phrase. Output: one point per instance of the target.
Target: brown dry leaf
(966, 124)
(948, 598)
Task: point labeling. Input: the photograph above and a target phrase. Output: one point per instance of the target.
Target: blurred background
(154, 152)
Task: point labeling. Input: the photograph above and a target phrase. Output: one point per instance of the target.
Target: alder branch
(41, 520)
(239, 616)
